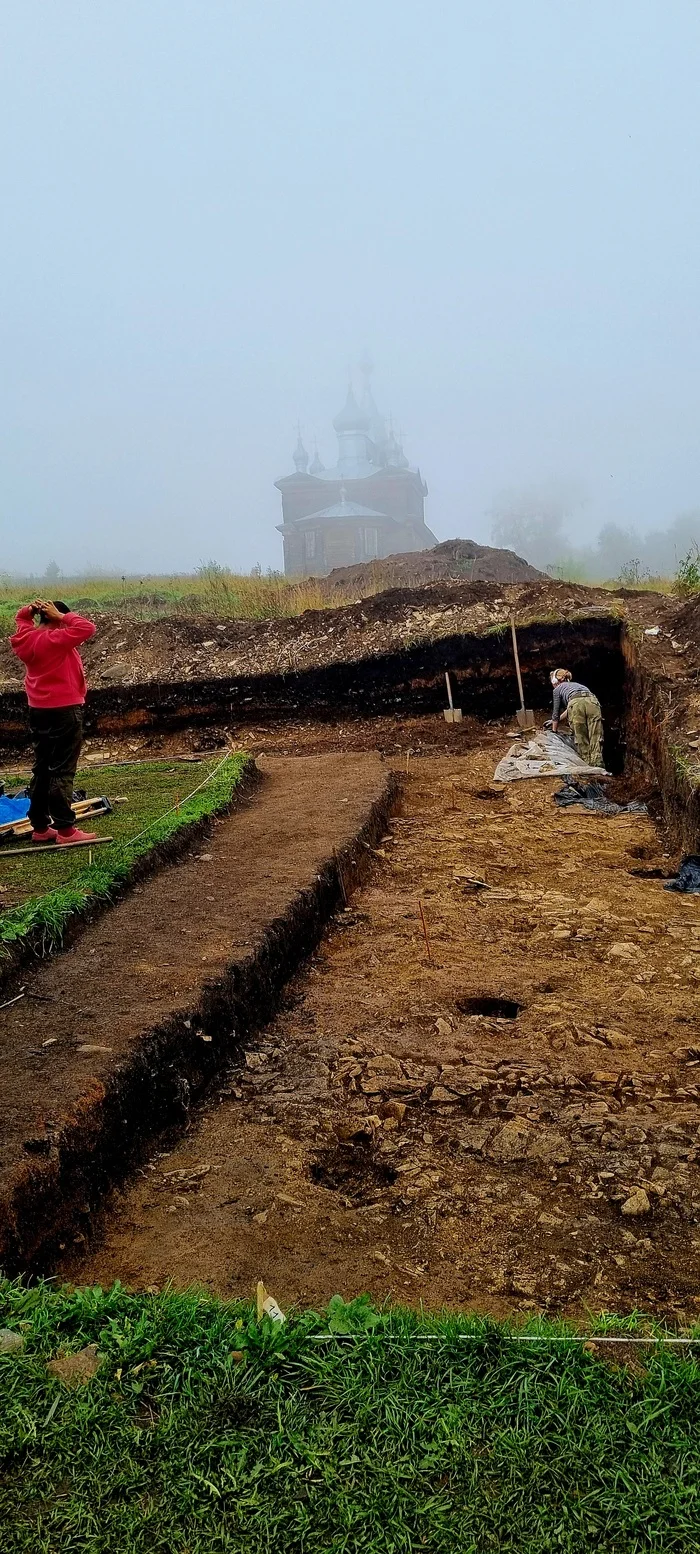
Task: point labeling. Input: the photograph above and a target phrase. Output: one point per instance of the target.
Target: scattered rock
(396, 1109)
(511, 1143)
(114, 673)
(384, 1063)
(550, 1147)
(76, 1370)
(637, 1203)
(618, 1039)
(10, 1343)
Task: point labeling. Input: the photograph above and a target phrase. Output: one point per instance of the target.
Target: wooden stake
(408, 757)
(425, 932)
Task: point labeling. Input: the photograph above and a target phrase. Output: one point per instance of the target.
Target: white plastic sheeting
(545, 755)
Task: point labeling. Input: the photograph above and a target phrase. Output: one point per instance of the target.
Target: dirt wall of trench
(406, 682)
(651, 752)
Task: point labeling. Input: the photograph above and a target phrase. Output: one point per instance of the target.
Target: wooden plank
(50, 847)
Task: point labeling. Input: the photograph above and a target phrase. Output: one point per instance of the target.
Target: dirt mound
(458, 560)
(180, 649)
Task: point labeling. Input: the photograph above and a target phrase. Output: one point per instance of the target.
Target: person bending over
(575, 701)
(46, 640)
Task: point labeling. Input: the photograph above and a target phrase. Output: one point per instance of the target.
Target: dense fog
(212, 212)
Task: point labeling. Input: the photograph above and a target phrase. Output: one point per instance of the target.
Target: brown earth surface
(387, 1133)
(452, 560)
(127, 652)
(149, 959)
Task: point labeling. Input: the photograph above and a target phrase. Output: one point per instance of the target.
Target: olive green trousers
(586, 726)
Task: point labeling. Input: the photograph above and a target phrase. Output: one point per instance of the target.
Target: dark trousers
(57, 734)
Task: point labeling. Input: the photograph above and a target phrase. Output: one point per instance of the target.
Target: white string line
(515, 1338)
(228, 756)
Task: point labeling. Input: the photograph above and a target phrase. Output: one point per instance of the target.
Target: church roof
(345, 509)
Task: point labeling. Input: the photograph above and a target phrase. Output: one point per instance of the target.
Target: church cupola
(352, 427)
(301, 457)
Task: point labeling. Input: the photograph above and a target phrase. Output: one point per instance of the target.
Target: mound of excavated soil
(127, 652)
(453, 560)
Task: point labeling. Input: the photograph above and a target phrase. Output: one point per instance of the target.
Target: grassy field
(350, 1432)
(215, 591)
(39, 893)
(212, 591)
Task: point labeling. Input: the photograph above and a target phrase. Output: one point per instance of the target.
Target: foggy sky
(212, 207)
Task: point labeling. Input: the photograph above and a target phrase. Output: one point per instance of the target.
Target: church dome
(352, 418)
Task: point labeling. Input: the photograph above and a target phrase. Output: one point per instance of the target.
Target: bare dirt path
(392, 1133)
(137, 972)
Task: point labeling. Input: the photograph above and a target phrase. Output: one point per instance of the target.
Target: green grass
(210, 591)
(57, 884)
(352, 1432)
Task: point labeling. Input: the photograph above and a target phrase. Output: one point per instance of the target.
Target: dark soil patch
(493, 1008)
(351, 1169)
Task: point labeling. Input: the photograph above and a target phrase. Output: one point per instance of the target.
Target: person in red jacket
(56, 689)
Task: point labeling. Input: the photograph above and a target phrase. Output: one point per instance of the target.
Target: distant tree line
(534, 524)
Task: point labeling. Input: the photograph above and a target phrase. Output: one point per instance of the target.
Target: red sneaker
(49, 835)
(69, 838)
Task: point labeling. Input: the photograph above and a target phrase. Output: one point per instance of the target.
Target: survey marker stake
(526, 718)
(452, 714)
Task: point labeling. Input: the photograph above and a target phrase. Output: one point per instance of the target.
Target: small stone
(618, 1039)
(76, 1370)
(261, 1218)
(624, 950)
(439, 1096)
(10, 1343)
(395, 1109)
(511, 1143)
(384, 1063)
(476, 1136)
(637, 1203)
(550, 1147)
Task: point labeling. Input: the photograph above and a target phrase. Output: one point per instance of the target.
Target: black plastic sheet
(592, 795)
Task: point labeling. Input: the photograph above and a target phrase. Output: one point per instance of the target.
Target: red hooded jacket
(55, 676)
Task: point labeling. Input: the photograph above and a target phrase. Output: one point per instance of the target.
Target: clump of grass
(353, 1431)
(153, 814)
(686, 582)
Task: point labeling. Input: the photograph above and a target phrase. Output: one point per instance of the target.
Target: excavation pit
(492, 1008)
(599, 1099)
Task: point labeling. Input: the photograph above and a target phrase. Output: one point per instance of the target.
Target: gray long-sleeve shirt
(563, 693)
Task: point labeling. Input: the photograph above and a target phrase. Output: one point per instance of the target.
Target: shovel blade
(526, 718)
(453, 714)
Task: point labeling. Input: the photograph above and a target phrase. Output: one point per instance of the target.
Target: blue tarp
(12, 809)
